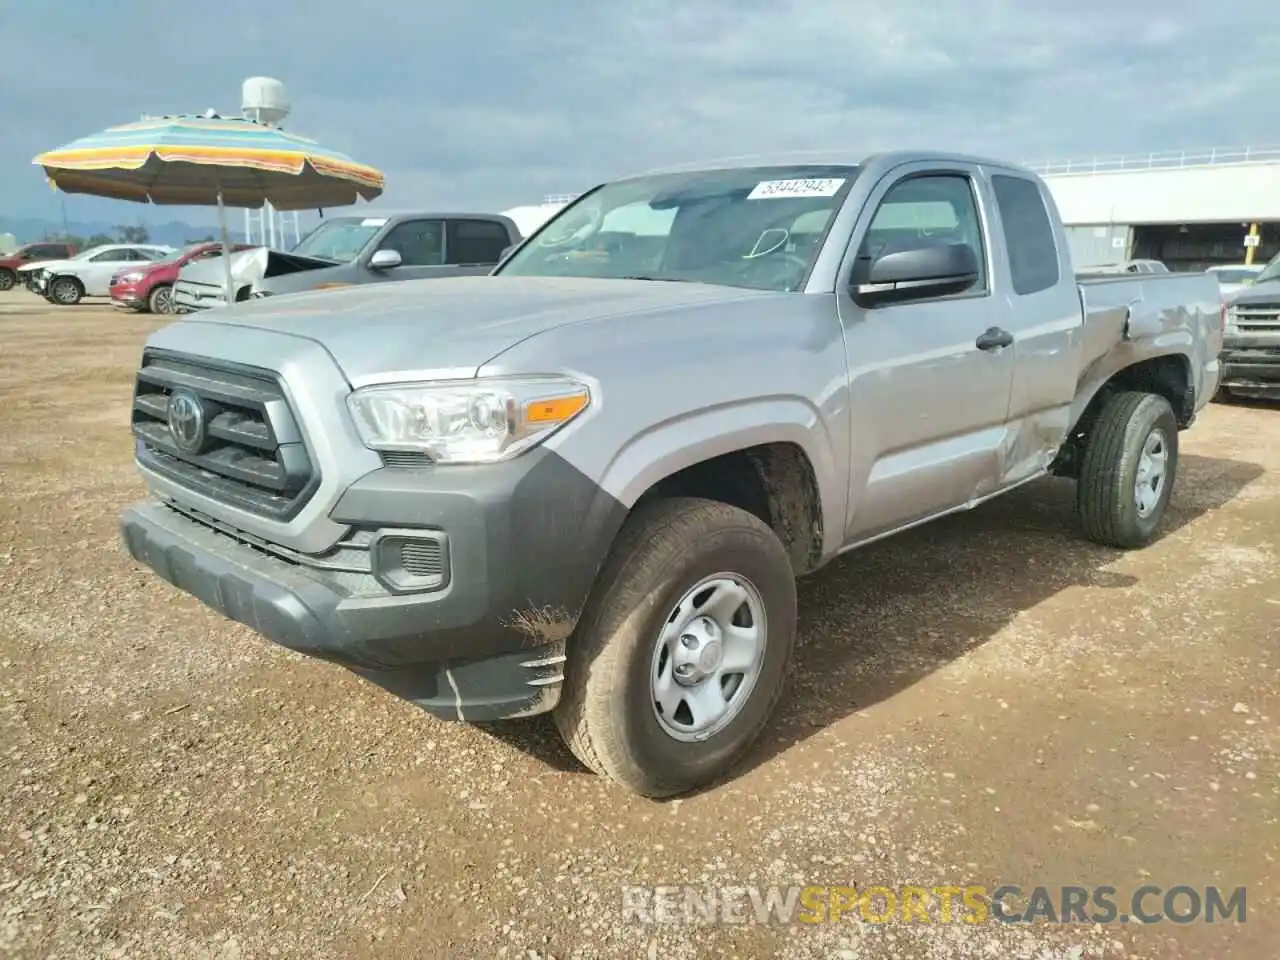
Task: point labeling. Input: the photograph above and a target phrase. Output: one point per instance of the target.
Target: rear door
(1046, 321)
(928, 404)
(474, 247)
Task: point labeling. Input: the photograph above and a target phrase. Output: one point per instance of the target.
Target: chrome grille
(251, 453)
(1256, 317)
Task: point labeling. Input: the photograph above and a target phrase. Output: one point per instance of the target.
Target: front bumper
(128, 295)
(1251, 366)
(524, 541)
(191, 297)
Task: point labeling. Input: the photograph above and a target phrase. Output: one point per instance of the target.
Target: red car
(32, 253)
(148, 287)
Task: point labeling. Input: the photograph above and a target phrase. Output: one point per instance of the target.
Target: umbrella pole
(226, 251)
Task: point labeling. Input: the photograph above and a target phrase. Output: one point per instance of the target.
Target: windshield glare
(1270, 272)
(339, 240)
(754, 227)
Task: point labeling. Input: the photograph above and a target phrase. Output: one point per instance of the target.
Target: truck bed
(1180, 308)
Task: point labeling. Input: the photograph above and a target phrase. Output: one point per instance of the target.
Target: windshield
(1235, 274)
(754, 227)
(339, 240)
(174, 255)
(1270, 273)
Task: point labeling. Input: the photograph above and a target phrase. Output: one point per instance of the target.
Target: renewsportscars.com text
(968, 904)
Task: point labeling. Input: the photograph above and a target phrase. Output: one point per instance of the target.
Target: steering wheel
(557, 239)
(789, 266)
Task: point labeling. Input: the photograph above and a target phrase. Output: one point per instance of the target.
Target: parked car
(32, 253)
(1233, 278)
(88, 274)
(1251, 351)
(148, 287)
(585, 483)
(343, 251)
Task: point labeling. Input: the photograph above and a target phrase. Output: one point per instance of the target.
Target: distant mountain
(175, 233)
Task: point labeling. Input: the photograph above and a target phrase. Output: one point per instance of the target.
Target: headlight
(129, 278)
(471, 421)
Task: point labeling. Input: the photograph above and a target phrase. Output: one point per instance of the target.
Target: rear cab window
(1028, 234)
(475, 242)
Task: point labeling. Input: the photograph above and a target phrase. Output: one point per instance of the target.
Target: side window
(476, 241)
(1028, 234)
(109, 256)
(43, 253)
(420, 243)
(927, 211)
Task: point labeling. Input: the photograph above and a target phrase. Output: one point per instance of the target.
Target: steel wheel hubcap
(708, 656)
(1153, 466)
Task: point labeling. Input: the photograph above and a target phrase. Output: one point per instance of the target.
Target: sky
(489, 104)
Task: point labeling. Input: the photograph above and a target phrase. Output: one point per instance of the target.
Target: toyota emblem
(186, 421)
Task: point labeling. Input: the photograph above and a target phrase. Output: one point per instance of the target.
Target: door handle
(993, 339)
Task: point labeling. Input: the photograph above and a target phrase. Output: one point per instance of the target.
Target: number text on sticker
(769, 189)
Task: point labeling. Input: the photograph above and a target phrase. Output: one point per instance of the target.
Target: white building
(1188, 209)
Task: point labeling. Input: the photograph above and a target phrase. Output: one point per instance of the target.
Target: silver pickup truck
(586, 483)
(342, 251)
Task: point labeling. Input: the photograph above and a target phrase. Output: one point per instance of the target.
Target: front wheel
(65, 291)
(7, 279)
(1126, 477)
(680, 656)
(160, 299)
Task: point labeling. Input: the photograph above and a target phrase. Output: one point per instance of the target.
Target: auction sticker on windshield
(373, 222)
(769, 189)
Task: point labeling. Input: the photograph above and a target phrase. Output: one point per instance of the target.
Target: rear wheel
(7, 279)
(1127, 474)
(680, 656)
(65, 291)
(160, 299)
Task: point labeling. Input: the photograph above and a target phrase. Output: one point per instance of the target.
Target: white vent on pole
(264, 100)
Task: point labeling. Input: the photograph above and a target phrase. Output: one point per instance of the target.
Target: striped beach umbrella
(210, 161)
(203, 161)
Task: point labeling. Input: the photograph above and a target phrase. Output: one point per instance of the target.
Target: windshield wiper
(657, 279)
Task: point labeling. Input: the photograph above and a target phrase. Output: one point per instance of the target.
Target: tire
(65, 291)
(607, 714)
(8, 280)
(160, 300)
(1107, 495)
(1223, 395)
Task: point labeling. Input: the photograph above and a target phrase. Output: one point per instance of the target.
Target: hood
(449, 327)
(252, 264)
(46, 265)
(1268, 292)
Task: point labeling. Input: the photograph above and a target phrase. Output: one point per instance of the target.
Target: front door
(928, 405)
(97, 273)
(420, 244)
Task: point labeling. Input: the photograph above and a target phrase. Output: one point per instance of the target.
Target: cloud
(495, 102)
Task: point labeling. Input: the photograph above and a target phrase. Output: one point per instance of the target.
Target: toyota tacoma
(586, 483)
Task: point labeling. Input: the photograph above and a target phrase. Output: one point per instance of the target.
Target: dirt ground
(987, 700)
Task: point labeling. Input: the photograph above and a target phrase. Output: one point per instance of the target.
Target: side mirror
(385, 260)
(922, 272)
